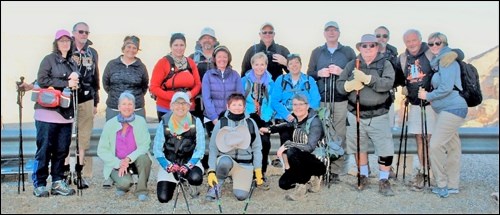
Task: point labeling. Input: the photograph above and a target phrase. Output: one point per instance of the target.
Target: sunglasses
(268, 32)
(83, 32)
(382, 35)
(436, 43)
(368, 45)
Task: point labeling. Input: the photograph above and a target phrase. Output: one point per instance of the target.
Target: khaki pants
(143, 164)
(445, 150)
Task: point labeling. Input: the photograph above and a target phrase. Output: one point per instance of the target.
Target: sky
(28, 28)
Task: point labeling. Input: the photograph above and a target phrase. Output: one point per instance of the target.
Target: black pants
(165, 189)
(303, 165)
(266, 147)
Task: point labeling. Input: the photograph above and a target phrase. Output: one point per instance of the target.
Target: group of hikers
(201, 94)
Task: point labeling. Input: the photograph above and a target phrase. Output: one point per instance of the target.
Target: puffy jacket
(118, 77)
(216, 87)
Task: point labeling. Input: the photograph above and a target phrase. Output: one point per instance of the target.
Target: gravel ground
(479, 178)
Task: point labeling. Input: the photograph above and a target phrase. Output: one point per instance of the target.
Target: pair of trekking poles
(425, 144)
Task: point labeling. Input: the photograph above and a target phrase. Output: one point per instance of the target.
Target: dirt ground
(479, 178)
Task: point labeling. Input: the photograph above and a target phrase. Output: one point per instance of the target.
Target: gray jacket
(253, 153)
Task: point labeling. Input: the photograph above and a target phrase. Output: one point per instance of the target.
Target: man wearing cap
(276, 53)
(86, 59)
(372, 79)
(202, 56)
(325, 65)
(179, 146)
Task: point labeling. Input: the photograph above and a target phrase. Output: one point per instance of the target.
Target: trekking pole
(327, 108)
(406, 138)
(401, 137)
(249, 196)
(357, 131)
(20, 176)
(427, 150)
(176, 196)
(78, 166)
(423, 119)
(182, 180)
(219, 203)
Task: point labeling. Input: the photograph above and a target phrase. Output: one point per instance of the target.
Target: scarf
(122, 119)
(178, 127)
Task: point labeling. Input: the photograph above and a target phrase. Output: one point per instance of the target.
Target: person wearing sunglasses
(415, 66)
(451, 109)
(325, 65)
(86, 59)
(371, 79)
(276, 53)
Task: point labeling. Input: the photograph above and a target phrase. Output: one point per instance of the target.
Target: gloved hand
(184, 169)
(288, 144)
(447, 59)
(258, 177)
(361, 76)
(404, 91)
(212, 179)
(172, 168)
(353, 85)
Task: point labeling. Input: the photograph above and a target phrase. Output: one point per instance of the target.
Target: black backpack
(173, 71)
(470, 84)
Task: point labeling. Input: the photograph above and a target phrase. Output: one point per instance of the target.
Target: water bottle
(65, 98)
(35, 91)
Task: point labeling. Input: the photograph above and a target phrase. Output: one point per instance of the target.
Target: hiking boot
(334, 178)
(41, 191)
(384, 187)
(418, 182)
(392, 174)
(315, 182)
(441, 192)
(364, 182)
(108, 183)
(194, 192)
(61, 188)
(298, 193)
(211, 193)
(265, 186)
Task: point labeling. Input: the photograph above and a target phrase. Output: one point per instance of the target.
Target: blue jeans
(52, 143)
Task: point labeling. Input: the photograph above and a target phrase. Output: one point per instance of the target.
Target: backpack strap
(248, 87)
(166, 130)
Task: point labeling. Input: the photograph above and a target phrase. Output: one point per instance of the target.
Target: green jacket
(107, 143)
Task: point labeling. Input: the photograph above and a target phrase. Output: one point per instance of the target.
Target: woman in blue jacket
(286, 86)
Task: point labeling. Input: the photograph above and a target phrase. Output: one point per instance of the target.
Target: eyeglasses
(382, 35)
(436, 43)
(64, 41)
(181, 103)
(83, 32)
(368, 45)
(267, 32)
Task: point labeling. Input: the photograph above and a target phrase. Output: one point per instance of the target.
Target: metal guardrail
(474, 141)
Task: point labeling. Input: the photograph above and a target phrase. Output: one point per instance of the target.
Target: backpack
(307, 86)
(172, 70)
(224, 122)
(182, 155)
(471, 89)
(331, 143)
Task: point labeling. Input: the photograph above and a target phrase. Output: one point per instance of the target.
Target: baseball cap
(267, 24)
(332, 24)
(180, 95)
(60, 33)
